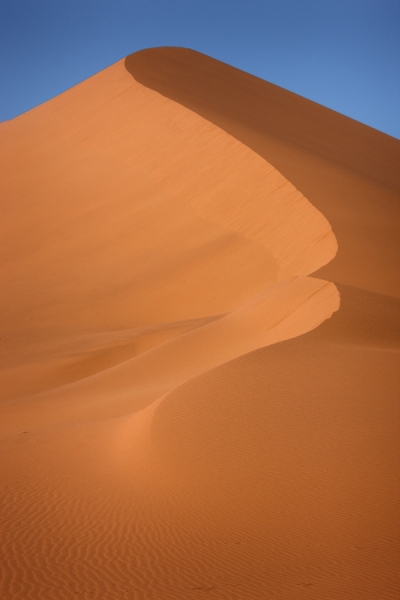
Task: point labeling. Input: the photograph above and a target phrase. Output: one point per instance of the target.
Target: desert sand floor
(200, 342)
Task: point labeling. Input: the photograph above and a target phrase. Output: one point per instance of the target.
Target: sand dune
(186, 410)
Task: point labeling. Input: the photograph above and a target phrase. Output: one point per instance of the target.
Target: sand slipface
(185, 409)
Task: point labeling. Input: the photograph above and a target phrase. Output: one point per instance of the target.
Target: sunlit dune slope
(134, 212)
(123, 201)
(186, 411)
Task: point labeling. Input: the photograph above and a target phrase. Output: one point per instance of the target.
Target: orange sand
(186, 412)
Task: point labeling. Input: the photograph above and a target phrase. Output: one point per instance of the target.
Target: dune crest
(346, 170)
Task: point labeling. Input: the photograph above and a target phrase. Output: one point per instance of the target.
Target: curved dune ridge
(180, 416)
(347, 170)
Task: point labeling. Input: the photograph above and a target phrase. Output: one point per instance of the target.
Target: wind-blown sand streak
(181, 417)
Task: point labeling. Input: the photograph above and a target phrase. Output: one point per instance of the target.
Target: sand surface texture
(199, 341)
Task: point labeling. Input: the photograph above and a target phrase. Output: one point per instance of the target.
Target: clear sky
(344, 54)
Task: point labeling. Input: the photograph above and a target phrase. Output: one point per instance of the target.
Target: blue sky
(344, 54)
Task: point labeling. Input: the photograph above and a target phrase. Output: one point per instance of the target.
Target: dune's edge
(305, 303)
(137, 63)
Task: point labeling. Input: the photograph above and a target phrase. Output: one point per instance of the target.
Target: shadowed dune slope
(347, 170)
(186, 411)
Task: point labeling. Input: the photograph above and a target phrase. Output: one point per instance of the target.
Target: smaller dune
(288, 309)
